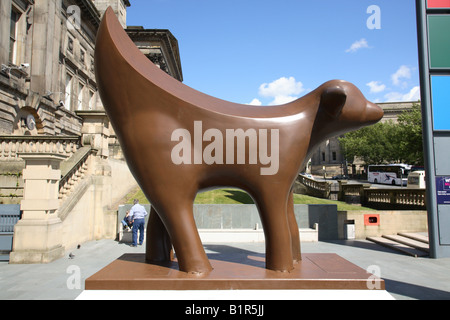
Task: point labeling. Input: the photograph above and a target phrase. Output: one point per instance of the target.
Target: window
(80, 96)
(68, 100)
(15, 15)
(70, 44)
(82, 55)
(323, 156)
(91, 100)
(334, 156)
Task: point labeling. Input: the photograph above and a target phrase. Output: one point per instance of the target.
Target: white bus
(394, 174)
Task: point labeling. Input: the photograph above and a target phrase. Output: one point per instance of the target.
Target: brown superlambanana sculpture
(178, 142)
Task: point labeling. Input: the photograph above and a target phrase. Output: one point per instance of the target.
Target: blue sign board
(433, 17)
(443, 190)
(440, 95)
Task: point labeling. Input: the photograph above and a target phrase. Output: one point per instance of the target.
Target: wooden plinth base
(314, 272)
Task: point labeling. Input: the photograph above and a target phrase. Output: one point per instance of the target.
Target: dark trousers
(138, 225)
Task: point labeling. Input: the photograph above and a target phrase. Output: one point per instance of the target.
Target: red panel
(371, 219)
(438, 4)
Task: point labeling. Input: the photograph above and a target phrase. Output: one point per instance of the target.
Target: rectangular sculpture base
(320, 271)
(234, 295)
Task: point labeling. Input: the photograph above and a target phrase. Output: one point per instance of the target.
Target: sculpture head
(342, 108)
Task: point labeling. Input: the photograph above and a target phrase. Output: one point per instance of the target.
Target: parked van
(416, 180)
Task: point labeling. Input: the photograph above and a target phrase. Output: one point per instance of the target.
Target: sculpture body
(178, 142)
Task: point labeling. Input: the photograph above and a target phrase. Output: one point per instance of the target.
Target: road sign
(433, 17)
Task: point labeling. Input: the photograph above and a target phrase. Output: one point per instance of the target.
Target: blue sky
(269, 52)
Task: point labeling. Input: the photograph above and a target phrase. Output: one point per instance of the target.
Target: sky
(269, 52)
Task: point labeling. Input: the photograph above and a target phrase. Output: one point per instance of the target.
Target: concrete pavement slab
(405, 277)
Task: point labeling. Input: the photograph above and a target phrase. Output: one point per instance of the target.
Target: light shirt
(137, 212)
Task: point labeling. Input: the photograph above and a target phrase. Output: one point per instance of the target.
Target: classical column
(38, 235)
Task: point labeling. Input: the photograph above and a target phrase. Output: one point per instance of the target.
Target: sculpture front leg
(272, 207)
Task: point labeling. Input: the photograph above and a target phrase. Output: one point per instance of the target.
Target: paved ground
(405, 277)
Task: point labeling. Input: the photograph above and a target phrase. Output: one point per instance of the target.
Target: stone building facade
(47, 65)
(59, 156)
(47, 81)
(47, 62)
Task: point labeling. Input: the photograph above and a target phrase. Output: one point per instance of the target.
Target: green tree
(411, 142)
(374, 144)
(388, 142)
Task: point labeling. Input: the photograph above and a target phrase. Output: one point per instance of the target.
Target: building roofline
(136, 32)
(88, 7)
(398, 102)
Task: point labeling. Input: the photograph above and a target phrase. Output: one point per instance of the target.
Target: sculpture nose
(374, 113)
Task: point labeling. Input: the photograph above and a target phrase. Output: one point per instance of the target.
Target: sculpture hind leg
(158, 244)
(293, 227)
(178, 218)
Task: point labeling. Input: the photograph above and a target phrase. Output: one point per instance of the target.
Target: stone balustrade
(384, 198)
(380, 198)
(73, 172)
(315, 188)
(12, 146)
(400, 197)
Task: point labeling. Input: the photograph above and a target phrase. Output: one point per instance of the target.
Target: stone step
(416, 236)
(398, 246)
(409, 242)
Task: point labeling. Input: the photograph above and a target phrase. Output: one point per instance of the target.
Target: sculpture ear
(333, 100)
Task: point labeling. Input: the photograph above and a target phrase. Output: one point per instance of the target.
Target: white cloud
(281, 87)
(282, 100)
(412, 95)
(283, 90)
(403, 72)
(394, 97)
(255, 102)
(357, 45)
(376, 86)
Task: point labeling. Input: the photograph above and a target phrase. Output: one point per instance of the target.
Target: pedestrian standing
(137, 215)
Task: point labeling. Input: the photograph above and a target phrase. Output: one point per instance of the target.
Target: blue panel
(440, 92)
